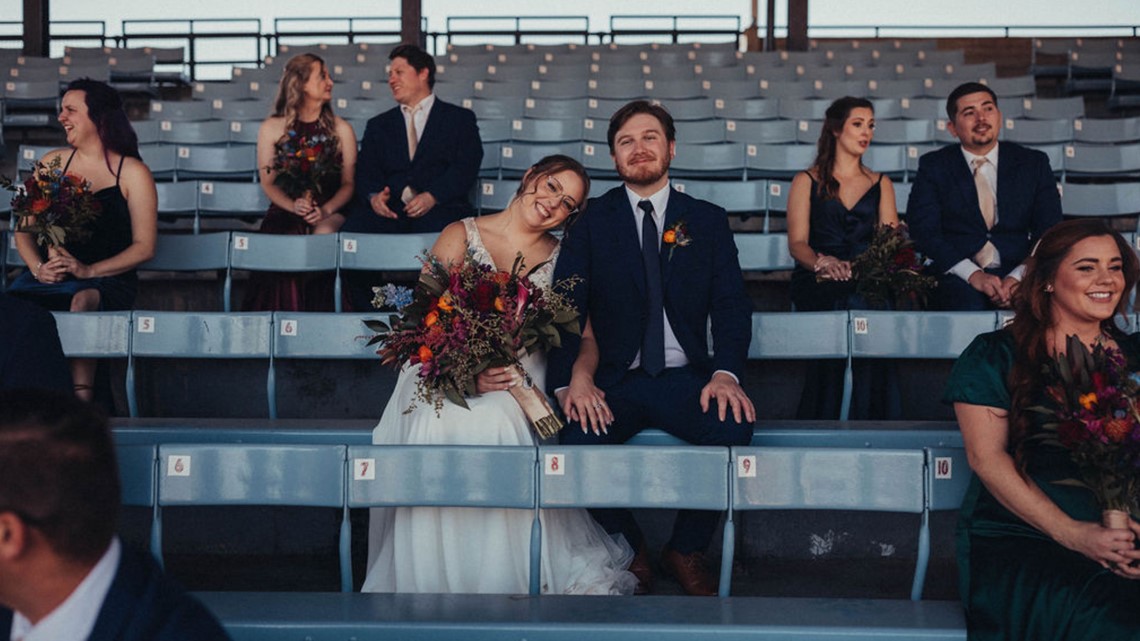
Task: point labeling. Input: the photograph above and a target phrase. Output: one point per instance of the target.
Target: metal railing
(675, 27)
(192, 33)
(515, 30)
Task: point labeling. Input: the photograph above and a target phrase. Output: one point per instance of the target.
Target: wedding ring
(597, 406)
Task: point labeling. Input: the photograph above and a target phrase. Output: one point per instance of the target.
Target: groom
(655, 266)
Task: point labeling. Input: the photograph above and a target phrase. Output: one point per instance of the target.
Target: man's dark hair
(966, 89)
(622, 116)
(417, 58)
(58, 472)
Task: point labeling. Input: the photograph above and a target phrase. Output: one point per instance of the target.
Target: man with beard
(975, 218)
(653, 266)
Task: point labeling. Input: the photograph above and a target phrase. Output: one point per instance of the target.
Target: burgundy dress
(293, 291)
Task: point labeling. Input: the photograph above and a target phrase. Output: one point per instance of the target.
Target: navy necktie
(653, 343)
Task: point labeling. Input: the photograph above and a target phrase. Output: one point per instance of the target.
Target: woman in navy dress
(303, 110)
(97, 273)
(833, 209)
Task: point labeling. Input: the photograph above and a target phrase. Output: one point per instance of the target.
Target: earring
(1048, 289)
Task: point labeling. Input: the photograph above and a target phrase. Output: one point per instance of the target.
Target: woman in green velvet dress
(1034, 561)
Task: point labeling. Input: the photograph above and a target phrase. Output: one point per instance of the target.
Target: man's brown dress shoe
(690, 570)
(641, 569)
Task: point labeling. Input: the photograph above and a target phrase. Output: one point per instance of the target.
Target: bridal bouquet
(55, 207)
(465, 318)
(1094, 414)
(303, 163)
(889, 271)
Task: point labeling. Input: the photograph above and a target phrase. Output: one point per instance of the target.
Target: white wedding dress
(477, 550)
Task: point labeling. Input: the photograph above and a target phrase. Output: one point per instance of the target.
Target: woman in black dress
(833, 208)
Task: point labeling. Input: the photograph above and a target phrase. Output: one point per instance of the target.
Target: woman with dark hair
(1034, 561)
(833, 209)
(97, 273)
(302, 122)
(464, 550)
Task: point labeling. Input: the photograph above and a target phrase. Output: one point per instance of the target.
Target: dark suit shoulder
(384, 116)
(1021, 153)
(452, 109)
(696, 205)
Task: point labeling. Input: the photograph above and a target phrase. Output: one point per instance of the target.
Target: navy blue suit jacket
(30, 352)
(446, 164)
(701, 281)
(946, 221)
(142, 605)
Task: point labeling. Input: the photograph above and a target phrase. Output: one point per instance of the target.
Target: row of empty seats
(739, 479)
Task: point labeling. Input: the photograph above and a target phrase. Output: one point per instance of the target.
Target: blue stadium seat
(495, 195)
(747, 109)
(219, 200)
(760, 132)
(194, 253)
(137, 474)
(1106, 130)
(933, 335)
(1052, 108)
(216, 162)
(1038, 132)
(379, 252)
(1102, 160)
(1100, 199)
(261, 475)
(194, 132)
(763, 252)
(778, 161)
(724, 160)
(283, 252)
(181, 110)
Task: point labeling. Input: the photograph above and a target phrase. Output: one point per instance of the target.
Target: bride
(478, 550)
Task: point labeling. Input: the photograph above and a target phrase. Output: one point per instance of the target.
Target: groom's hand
(728, 393)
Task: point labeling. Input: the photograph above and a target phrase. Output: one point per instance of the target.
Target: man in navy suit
(63, 573)
(977, 209)
(418, 161)
(654, 266)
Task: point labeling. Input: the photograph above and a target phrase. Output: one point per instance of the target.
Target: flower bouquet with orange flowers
(1092, 407)
(303, 163)
(53, 206)
(467, 317)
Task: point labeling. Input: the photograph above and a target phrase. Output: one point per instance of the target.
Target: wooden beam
(797, 25)
(411, 17)
(37, 39)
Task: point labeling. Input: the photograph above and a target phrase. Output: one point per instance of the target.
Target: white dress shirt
(74, 619)
(674, 354)
(420, 118)
(966, 267)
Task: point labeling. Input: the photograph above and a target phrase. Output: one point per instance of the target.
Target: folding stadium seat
(494, 130)
(452, 74)
(760, 132)
(506, 108)
(778, 161)
(922, 108)
(890, 58)
(682, 89)
(30, 103)
(866, 74)
(602, 108)
(939, 88)
(902, 195)
(1106, 130)
(220, 200)
(253, 110)
(181, 110)
(789, 73)
(69, 72)
(1090, 71)
(595, 157)
(807, 131)
(812, 109)
(267, 75)
(283, 253)
(687, 110)
(734, 89)
(530, 130)
(932, 57)
(616, 89)
(1014, 86)
(224, 90)
(1103, 200)
(29, 154)
(1038, 132)
(983, 71)
(888, 159)
(832, 89)
(495, 195)
(1102, 160)
(559, 89)
(501, 89)
(701, 132)
(160, 159)
(194, 132)
(721, 73)
(1053, 108)
(1125, 86)
(1057, 156)
(753, 109)
(537, 107)
(244, 132)
(886, 108)
(194, 253)
(907, 88)
(899, 132)
(825, 74)
(725, 161)
(739, 198)
(786, 90)
(178, 201)
(516, 158)
(218, 163)
(379, 252)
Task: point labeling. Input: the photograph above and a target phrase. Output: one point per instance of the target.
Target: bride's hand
(586, 404)
(496, 379)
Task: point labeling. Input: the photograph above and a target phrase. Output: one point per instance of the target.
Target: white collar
(75, 617)
(991, 156)
(423, 106)
(659, 199)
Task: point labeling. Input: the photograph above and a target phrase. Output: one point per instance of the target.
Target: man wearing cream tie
(977, 208)
(418, 162)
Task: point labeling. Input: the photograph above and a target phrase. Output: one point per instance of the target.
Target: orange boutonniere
(676, 235)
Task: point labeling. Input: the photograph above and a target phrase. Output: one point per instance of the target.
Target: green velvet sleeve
(979, 374)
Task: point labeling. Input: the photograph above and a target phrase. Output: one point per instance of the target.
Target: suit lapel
(962, 176)
(1007, 172)
(433, 124)
(626, 237)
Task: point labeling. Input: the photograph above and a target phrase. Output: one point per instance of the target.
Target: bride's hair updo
(549, 166)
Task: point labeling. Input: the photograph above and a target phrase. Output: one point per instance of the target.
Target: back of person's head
(417, 58)
(291, 90)
(105, 109)
(966, 89)
(637, 107)
(833, 121)
(1031, 300)
(58, 472)
(555, 164)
